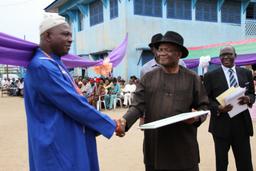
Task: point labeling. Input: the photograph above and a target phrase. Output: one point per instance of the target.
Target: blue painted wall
(110, 33)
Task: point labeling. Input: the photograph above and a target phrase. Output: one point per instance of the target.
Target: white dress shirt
(226, 72)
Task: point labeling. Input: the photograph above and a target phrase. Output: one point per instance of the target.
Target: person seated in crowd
(91, 90)
(84, 82)
(3, 81)
(122, 85)
(86, 85)
(6, 83)
(76, 81)
(80, 84)
(112, 94)
(134, 79)
(13, 89)
(108, 85)
(100, 92)
(129, 89)
(20, 86)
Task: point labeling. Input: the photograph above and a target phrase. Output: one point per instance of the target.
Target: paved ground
(115, 154)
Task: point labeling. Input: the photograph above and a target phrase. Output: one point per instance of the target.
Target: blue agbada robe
(61, 124)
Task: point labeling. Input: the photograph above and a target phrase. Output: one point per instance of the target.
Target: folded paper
(172, 119)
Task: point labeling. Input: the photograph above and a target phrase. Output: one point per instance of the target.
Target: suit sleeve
(61, 93)
(250, 91)
(213, 104)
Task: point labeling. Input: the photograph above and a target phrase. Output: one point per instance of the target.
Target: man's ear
(180, 54)
(47, 36)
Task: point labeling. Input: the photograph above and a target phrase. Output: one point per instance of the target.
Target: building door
(146, 56)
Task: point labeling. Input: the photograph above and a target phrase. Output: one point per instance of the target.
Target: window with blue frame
(179, 9)
(80, 21)
(96, 12)
(148, 8)
(251, 11)
(113, 8)
(146, 56)
(231, 11)
(206, 10)
(68, 21)
(99, 56)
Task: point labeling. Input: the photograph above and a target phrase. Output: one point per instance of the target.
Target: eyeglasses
(227, 55)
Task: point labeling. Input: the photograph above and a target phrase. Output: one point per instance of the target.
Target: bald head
(227, 48)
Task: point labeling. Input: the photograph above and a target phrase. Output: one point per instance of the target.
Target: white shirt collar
(226, 73)
(226, 70)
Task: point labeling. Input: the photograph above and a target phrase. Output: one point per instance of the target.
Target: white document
(222, 96)
(233, 100)
(172, 119)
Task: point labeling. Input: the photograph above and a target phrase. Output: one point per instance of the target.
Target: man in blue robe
(61, 124)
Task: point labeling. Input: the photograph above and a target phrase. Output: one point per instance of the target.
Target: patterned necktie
(232, 79)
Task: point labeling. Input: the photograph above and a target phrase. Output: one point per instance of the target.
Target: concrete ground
(115, 154)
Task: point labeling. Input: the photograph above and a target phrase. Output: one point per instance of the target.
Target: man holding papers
(168, 91)
(230, 125)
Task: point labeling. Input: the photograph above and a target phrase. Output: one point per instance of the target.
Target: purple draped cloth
(244, 59)
(15, 51)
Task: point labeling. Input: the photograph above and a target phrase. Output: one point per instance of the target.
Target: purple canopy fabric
(192, 63)
(244, 59)
(15, 51)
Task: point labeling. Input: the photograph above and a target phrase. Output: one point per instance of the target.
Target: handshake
(120, 127)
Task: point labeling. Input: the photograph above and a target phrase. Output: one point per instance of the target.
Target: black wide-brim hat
(155, 38)
(173, 38)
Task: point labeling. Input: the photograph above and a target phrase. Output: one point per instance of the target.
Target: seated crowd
(107, 90)
(12, 87)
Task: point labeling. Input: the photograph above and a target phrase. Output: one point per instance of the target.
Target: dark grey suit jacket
(220, 123)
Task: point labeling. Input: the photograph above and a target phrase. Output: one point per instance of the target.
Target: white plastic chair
(99, 103)
(117, 99)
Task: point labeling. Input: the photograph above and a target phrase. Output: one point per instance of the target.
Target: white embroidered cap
(51, 20)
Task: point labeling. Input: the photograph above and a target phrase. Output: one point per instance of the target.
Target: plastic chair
(5, 90)
(100, 102)
(117, 99)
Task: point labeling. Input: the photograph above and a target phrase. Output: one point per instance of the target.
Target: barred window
(251, 11)
(231, 12)
(206, 10)
(180, 9)
(96, 12)
(113, 8)
(148, 8)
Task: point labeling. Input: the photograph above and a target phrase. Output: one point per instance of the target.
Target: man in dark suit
(226, 131)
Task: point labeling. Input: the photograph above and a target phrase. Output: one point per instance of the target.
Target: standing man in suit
(226, 131)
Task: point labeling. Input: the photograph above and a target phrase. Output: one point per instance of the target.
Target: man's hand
(191, 120)
(225, 109)
(244, 100)
(142, 120)
(120, 127)
(201, 118)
